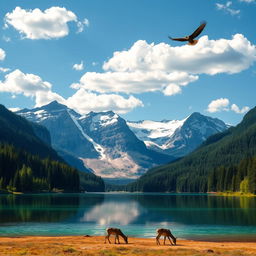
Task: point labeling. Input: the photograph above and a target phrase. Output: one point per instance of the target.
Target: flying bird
(191, 38)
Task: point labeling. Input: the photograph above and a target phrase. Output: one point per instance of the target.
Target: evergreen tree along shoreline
(224, 162)
(20, 171)
(28, 164)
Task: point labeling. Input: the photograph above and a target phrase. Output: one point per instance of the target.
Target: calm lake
(189, 216)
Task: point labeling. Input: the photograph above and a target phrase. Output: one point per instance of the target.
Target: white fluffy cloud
(208, 56)
(84, 102)
(222, 104)
(226, 8)
(29, 85)
(135, 82)
(33, 86)
(218, 105)
(161, 67)
(18, 82)
(236, 109)
(79, 66)
(37, 24)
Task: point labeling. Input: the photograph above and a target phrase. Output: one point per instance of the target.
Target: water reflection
(199, 209)
(41, 208)
(113, 213)
(139, 214)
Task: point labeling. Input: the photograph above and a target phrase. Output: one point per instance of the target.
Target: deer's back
(163, 231)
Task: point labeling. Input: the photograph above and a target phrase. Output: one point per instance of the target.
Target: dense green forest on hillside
(24, 172)
(241, 177)
(225, 162)
(91, 183)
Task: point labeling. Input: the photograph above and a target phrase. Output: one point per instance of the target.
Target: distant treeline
(91, 183)
(241, 177)
(24, 172)
(235, 178)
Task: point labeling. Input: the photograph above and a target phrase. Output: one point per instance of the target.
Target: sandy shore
(89, 246)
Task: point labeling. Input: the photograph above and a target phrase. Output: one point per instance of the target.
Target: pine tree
(252, 176)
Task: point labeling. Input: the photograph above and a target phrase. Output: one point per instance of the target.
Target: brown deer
(117, 232)
(166, 233)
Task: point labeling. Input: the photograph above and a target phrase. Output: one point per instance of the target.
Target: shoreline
(94, 245)
(211, 193)
(199, 239)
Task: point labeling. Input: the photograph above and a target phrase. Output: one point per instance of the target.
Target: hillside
(28, 163)
(225, 161)
(17, 131)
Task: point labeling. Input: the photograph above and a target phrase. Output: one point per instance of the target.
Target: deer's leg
(107, 238)
(157, 239)
(170, 240)
(118, 239)
(164, 239)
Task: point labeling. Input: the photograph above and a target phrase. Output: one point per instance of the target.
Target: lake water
(189, 216)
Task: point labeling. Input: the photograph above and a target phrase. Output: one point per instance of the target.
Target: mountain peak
(196, 114)
(54, 105)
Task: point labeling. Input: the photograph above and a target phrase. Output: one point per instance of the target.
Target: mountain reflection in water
(139, 214)
(114, 213)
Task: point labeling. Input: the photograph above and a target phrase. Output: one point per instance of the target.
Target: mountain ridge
(112, 147)
(177, 137)
(228, 156)
(103, 141)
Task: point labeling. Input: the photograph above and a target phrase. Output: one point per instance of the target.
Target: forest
(23, 172)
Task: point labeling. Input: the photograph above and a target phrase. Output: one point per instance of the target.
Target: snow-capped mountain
(103, 141)
(113, 148)
(177, 137)
(155, 134)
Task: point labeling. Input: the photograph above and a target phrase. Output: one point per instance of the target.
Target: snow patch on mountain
(101, 120)
(177, 137)
(155, 133)
(97, 146)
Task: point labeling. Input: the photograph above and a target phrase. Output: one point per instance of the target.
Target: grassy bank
(235, 194)
(94, 246)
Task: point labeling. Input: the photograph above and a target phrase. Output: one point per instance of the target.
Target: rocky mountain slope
(103, 141)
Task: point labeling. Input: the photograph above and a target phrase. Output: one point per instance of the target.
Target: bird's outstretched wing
(198, 31)
(182, 39)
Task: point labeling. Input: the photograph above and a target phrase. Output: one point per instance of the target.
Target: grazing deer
(117, 232)
(166, 233)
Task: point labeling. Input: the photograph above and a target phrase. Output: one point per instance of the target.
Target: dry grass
(94, 246)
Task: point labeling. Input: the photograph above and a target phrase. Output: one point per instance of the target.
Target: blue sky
(115, 55)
